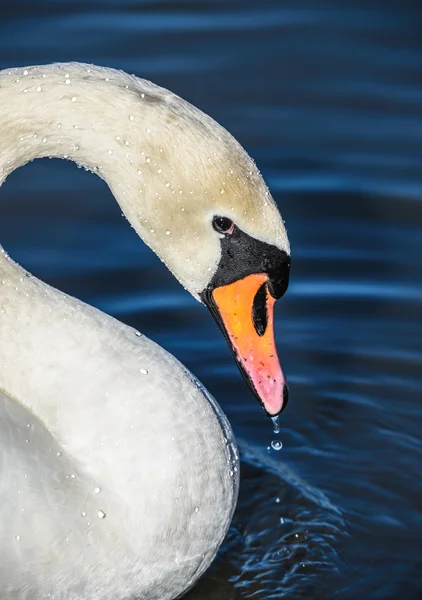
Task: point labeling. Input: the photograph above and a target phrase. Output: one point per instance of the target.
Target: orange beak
(244, 311)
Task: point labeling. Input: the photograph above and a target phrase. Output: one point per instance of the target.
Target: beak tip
(283, 403)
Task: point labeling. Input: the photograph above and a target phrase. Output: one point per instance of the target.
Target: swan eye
(223, 224)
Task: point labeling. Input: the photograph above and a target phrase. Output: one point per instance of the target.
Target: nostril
(259, 310)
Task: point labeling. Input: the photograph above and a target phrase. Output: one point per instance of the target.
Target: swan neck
(77, 113)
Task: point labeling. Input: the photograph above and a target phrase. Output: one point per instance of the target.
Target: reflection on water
(327, 98)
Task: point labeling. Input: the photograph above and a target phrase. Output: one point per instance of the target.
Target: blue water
(327, 97)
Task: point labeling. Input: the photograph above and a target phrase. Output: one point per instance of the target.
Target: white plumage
(119, 473)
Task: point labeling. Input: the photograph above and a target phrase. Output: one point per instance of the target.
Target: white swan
(119, 472)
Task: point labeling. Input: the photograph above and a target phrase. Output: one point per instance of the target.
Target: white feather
(119, 472)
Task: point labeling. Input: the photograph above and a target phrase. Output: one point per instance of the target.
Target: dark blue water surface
(327, 97)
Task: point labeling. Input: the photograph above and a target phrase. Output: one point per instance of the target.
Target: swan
(119, 471)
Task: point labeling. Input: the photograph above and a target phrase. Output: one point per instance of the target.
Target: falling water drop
(276, 424)
(276, 445)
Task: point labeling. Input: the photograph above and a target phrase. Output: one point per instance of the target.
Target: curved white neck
(162, 158)
(91, 115)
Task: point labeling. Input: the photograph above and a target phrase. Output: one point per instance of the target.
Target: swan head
(217, 228)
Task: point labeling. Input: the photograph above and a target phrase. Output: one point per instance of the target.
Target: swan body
(119, 472)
